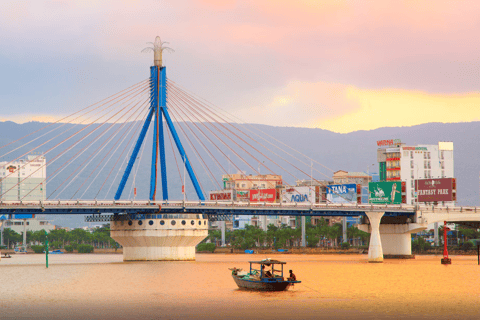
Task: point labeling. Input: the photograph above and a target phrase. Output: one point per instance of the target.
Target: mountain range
(355, 151)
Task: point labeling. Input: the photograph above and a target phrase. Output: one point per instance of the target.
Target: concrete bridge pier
(375, 251)
(165, 237)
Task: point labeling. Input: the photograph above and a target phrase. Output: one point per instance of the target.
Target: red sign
(263, 195)
(11, 168)
(389, 142)
(434, 190)
(221, 196)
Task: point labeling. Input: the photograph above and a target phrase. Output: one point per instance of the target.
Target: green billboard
(389, 192)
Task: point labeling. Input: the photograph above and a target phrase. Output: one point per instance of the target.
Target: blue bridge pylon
(159, 112)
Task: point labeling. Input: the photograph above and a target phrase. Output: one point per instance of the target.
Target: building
(399, 162)
(24, 179)
(240, 181)
(32, 224)
(253, 188)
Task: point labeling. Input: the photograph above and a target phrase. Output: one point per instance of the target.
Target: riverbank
(330, 251)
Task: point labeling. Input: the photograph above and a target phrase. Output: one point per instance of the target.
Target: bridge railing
(236, 204)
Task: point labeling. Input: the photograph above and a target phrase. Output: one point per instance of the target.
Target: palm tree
(158, 48)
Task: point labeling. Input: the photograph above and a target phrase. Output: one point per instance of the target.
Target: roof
(268, 262)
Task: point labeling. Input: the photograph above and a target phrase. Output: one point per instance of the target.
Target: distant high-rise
(23, 179)
(399, 162)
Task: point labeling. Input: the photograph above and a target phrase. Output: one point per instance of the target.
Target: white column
(375, 252)
(24, 232)
(304, 243)
(344, 227)
(223, 227)
(435, 234)
(264, 223)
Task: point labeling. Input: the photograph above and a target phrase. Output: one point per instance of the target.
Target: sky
(337, 65)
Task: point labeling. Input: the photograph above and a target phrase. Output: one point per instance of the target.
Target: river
(96, 286)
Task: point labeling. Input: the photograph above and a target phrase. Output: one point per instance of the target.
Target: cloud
(346, 108)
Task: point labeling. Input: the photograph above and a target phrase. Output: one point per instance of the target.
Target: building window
(443, 174)
(411, 154)
(413, 183)
(442, 155)
(412, 175)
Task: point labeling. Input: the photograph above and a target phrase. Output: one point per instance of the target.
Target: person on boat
(292, 277)
(268, 274)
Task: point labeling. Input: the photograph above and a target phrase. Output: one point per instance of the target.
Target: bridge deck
(211, 207)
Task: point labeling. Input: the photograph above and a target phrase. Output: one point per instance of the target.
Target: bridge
(115, 130)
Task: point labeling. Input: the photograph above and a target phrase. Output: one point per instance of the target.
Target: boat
(20, 249)
(263, 278)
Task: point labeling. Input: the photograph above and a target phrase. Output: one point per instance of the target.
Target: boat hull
(262, 285)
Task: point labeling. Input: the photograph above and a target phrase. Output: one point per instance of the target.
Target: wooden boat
(266, 278)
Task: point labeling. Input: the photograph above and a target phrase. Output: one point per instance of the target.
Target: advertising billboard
(242, 195)
(434, 190)
(263, 195)
(389, 192)
(299, 194)
(222, 195)
(342, 193)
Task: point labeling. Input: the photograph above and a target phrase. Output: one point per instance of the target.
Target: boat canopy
(268, 262)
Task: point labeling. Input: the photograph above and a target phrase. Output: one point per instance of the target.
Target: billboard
(434, 190)
(389, 192)
(222, 195)
(242, 195)
(299, 194)
(263, 195)
(342, 193)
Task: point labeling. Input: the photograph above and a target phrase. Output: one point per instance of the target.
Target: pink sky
(337, 65)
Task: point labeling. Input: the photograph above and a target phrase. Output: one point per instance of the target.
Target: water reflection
(333, 286)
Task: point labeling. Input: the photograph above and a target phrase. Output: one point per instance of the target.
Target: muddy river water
(99, 286)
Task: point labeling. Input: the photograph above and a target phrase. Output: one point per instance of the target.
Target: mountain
(355, 151)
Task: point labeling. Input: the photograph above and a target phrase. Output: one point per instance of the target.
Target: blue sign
(23, 216)
(3, 217)
(342, 193)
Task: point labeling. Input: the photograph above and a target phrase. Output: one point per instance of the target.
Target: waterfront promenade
(333, 286)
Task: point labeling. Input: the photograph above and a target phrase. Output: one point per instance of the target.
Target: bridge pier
(389, 239)
(172, 237)
(375, 251)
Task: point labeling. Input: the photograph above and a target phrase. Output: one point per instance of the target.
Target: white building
(408, 163)
(31, 225)
(24, 179)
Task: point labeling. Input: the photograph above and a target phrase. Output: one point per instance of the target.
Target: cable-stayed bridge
(98, 157)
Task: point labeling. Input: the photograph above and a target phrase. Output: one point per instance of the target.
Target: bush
(420, 244)
(345, 245)
(69, 248)
(56, 245)
(85, 248)
(206, 247)
(467, 246)
(38, 249)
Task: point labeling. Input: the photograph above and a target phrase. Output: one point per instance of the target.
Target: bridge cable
(58, 144)
(122, 138)
(103, 145)
(139, 83)
(59, 155)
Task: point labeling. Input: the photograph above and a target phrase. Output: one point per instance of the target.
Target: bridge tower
(159, 236)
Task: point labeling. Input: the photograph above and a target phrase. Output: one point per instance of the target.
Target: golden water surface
(333, 287)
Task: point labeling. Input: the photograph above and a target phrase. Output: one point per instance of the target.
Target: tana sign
(342, 193)
(432, 190)
(389, 192)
